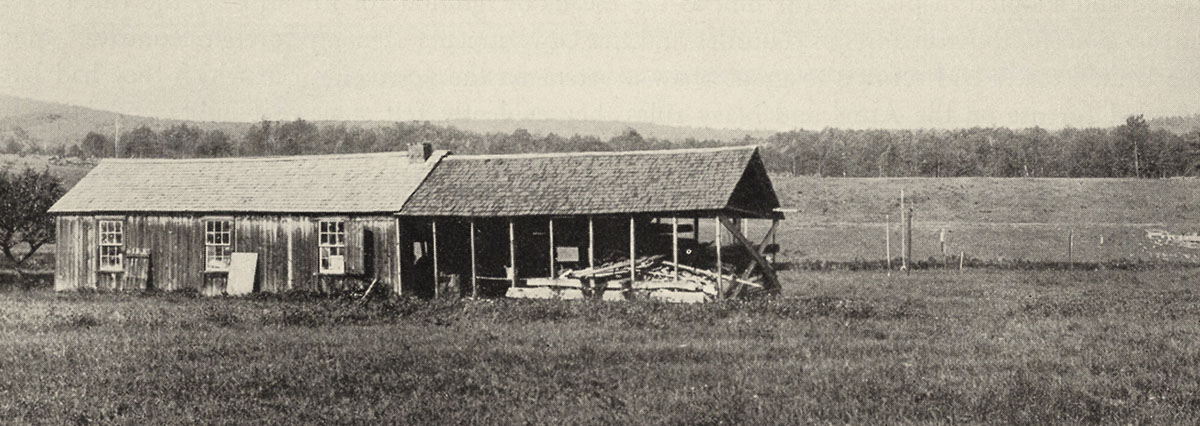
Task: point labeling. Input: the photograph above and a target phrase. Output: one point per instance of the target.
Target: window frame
(118, 247)
(331, 242)
(228, 233)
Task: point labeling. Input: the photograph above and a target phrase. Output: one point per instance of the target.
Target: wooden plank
(711, 274)
(242, 269)
(769, 279)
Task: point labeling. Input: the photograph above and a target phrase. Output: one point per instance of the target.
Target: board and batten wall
(287, 247)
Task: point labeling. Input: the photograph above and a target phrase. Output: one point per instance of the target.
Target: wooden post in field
(474, 271)
(908, 237)
(887, 238)
(942, 242)
(961, 254)
(903, 237)
(1071, 248)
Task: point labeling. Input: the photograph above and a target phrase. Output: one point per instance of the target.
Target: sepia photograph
(599, 213)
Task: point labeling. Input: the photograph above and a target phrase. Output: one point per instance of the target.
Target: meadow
(984, 347)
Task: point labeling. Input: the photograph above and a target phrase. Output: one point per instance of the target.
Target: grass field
(840, 347)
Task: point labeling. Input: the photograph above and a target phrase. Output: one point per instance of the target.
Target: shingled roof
(348, 183)
(732, 179)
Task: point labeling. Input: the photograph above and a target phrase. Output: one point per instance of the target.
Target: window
(333, 246)
(218, 237)
(112, 244)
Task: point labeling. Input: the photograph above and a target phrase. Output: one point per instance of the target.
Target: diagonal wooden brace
(761, 247)
(770, 281)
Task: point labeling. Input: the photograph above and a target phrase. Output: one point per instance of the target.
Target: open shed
(479, 215)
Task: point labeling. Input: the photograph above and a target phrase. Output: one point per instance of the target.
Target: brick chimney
(419, 152)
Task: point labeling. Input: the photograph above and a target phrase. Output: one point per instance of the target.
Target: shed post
(675, 247)
(591, 250)
(512, 251)
(552, 263)
(474, 274)
(696, 229)
(291, 274)
(399, 260)
(433, 226)
(632, 253)
(720, 273)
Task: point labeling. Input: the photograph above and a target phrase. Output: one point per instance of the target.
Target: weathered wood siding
(175, 244)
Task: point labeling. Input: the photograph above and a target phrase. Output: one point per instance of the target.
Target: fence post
(1071, 249)
(942, 242)
(908, 239)
(887, 237)
(903, 235)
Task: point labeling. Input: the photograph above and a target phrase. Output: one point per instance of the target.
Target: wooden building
(399, 220)
(316, 222)
(545, 212)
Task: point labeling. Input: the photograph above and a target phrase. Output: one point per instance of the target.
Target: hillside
(55, 124)
(992, 200)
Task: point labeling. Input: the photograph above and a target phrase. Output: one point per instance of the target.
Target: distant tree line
(1131, 149)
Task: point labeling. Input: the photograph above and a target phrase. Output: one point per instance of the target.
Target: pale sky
(745, 65)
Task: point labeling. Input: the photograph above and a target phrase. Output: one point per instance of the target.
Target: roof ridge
(599, 153)
(258, 158)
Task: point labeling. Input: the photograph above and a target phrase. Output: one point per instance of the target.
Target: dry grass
(982, 347)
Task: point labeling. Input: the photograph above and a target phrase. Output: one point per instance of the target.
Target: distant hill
(1177, 125)
(56, 124)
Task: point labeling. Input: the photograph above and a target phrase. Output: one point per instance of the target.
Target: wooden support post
(770, 280)
(675, 247)
(717, 242)
(433, 227)
(290, 267)
(552, 263)
(399, 290)
(591, 250)
(760, 247)
(474, 270)
(696, 229)
(632, 252)
(512, 251)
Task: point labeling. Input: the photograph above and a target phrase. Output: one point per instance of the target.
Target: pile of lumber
(655, 279)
